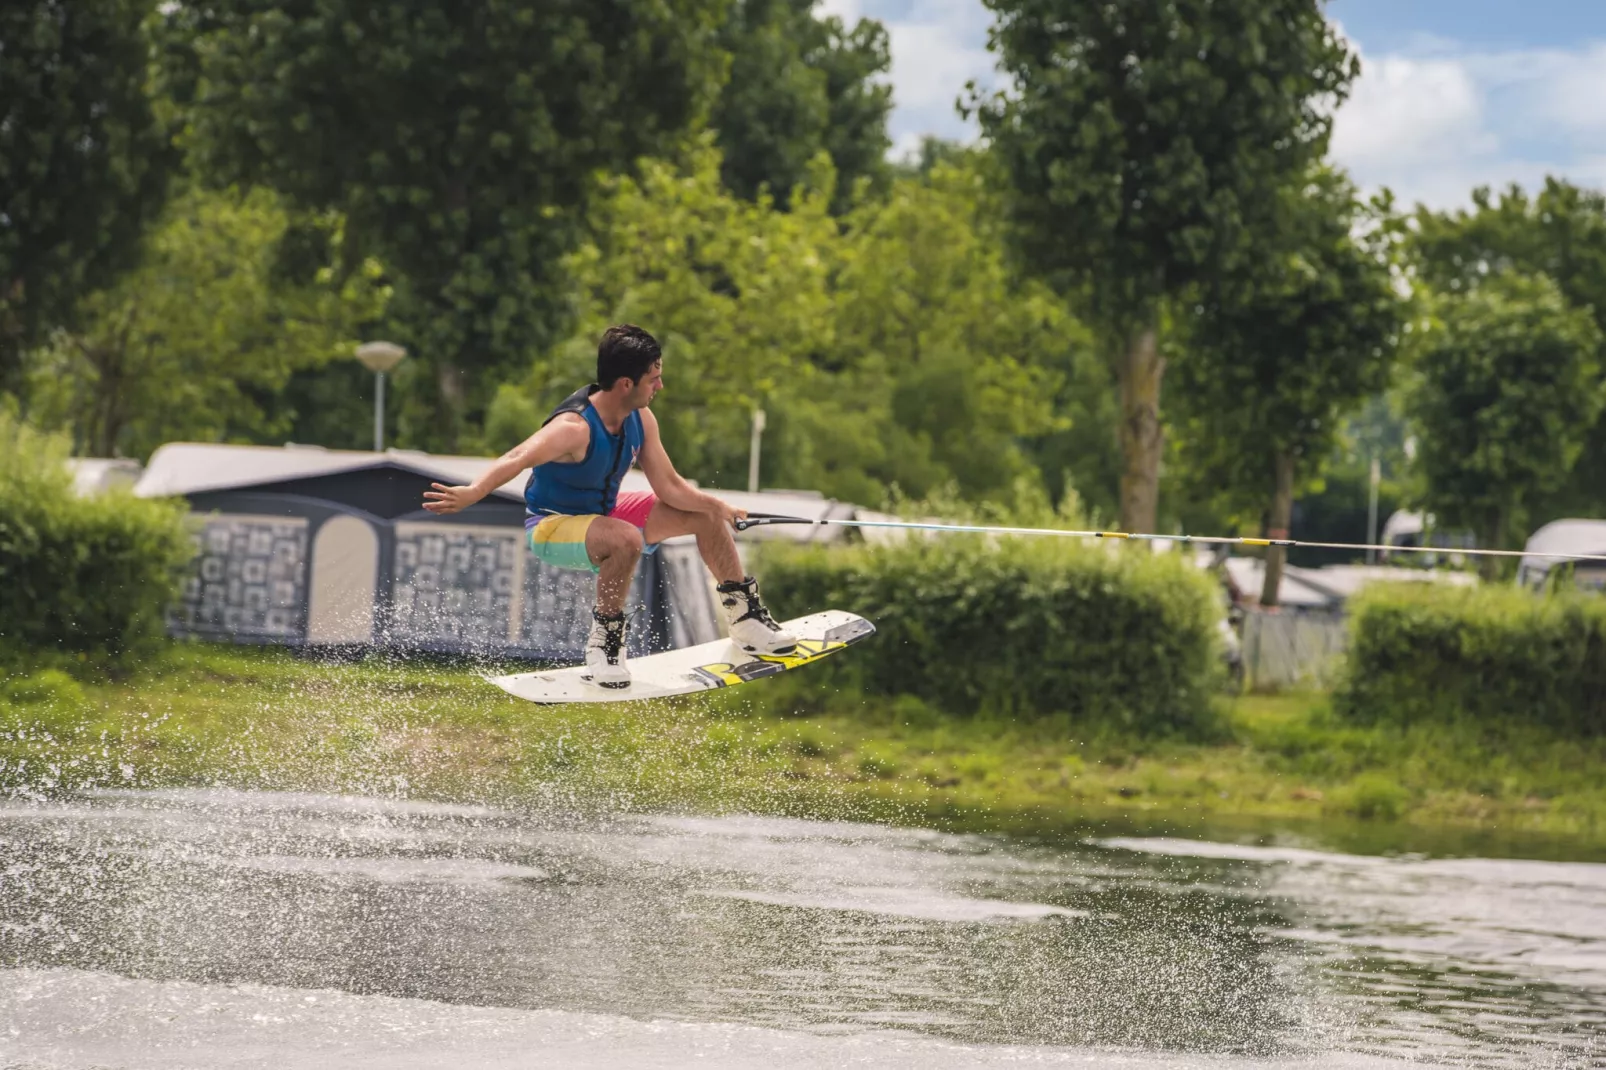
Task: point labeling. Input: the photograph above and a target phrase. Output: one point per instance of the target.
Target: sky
(1453, 94)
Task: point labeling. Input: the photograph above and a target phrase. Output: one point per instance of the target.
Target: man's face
(647, 387)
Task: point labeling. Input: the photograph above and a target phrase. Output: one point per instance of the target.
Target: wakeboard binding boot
(605, 651)
(751, 626)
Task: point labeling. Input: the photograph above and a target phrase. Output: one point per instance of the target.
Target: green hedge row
(1421, 652)
(1019, 627)
(80, 574)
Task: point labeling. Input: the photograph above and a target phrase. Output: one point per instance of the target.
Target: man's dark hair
(625, 352)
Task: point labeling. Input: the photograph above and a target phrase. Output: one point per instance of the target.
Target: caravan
(1565, 537)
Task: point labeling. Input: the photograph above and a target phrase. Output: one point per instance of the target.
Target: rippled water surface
(190, 929)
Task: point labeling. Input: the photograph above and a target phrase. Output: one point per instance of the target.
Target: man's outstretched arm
(568, 434)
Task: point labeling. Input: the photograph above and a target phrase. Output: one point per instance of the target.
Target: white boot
(605, 651)
(751, 626)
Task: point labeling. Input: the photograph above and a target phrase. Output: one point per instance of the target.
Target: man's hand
(728, 513)
(444, 499)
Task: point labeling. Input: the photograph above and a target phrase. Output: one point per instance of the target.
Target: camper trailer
(1565, 537)
(311, 547)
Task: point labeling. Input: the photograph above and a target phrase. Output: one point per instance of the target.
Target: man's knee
(611, 538)
(710, 523)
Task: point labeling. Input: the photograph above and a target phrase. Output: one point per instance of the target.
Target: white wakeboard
(694, 668)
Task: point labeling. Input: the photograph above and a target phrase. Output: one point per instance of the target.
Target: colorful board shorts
(560, 540)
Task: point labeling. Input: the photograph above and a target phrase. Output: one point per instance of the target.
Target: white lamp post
(753, 446)
(1371, 508)
(379, 358)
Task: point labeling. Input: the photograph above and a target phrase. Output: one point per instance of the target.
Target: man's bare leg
(714, 538)
(751, 625)
(614, 547)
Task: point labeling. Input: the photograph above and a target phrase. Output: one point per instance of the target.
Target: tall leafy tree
(84, 160)
(1280, 356)
(459, 141)
(1505, 391)
(1560, 232)
(1145, 144)
(798, 85)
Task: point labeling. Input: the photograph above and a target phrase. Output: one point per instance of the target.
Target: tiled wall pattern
(453, 587)
(249, 580)
(457, 583)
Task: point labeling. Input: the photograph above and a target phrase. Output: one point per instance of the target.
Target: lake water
(171, 929)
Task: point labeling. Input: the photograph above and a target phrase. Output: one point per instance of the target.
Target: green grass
(266, 719)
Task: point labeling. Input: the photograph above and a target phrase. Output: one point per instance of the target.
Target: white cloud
(1439, 120)
(848, 11)
(1575, 90)
(1407, 109)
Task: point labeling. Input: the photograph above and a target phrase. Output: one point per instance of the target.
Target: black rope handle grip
(753, 520)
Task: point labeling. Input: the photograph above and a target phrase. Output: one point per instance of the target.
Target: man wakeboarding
(577, 517)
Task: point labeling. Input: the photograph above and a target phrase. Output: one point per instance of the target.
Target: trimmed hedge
(1022, 627)
(1420, 652)
(80, 574)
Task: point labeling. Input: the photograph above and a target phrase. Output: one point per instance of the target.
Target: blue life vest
(591, 485)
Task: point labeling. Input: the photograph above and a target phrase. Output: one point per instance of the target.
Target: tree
(1505, 390)
(1145, 145)
(978, 366)
(459, 142)
(1559, 232)
(800, 85)
(889, 349)
(199, 340)
(854, 61)
(737, 292)
(932, 151)
(83, 160)
(1278, 357)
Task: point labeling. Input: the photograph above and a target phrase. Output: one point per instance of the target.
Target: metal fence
(1285, 649)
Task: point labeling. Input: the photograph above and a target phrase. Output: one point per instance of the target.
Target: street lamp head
(380, 356)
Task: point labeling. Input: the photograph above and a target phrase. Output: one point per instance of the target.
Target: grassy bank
(265, 719)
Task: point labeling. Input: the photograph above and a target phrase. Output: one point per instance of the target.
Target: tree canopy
(800, 85)
(1506, 388)
(1278, 357)
(200, 340)
(1559, 232)
(1145, 145)
(458, 141)
(895, 349)
(491, 184)
(84, 161)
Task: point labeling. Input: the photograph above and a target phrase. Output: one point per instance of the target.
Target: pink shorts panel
(632, 506)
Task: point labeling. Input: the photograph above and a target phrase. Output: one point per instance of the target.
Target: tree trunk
(1141, 368)
(1494, 534)
(449, 381)
(111, 360)
(1282, 512)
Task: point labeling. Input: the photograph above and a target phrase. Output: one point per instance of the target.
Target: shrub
(1419, 652)
(45, 687)
(1371, 797)
(79, 574)
(1018, 627)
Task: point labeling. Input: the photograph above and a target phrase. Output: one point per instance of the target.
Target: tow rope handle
(753, 520)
